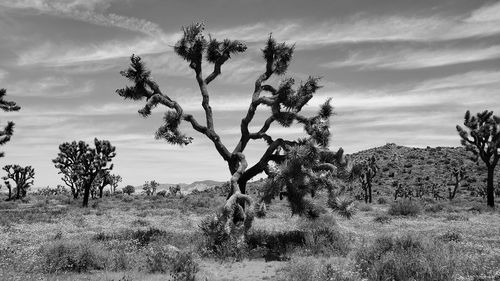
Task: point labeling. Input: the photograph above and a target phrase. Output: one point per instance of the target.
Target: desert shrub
(163, 259)
(144, 237)
(162, 193)
(344, 206)
(261, 210)
(456, 217)
(434, 208)
(276, 244)
(216, 241)
(363, 207)
(450, 236)
(382, 200)
(324, 236)
(382, 218)
(120, 260)
(312, 269)
(64, 255)
(404, 208)
(405, 258)
(129, 189)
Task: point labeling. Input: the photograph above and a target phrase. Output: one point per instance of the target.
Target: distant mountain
(188, 188)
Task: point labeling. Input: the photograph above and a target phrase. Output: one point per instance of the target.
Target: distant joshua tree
(23, 178)
(115, 180)
(365, 172)
(85, 164)
(285, 103)
(457, 175)
(150, 187)
(482, 138)
(8, 130)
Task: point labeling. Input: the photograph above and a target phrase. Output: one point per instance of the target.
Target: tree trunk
(101, 188)
(490, 188)
(369, 183)
(86, 194)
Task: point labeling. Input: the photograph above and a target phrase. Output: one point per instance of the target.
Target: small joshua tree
(285, 103)
(365, 172)
(149, 187)
(23, 178)
(173, 190)
(457, 175)
(129, 189)
(115, 180)
(88, 164)
(8, 130)
(482, 138)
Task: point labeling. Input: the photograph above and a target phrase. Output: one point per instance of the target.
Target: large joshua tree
(284, 101)
(8, 130)
(85, 162)
(483, 140)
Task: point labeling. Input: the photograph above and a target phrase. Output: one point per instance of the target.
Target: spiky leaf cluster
(217, 51)
(8, 130)
(303, 172)
(192, 44)
(140, 76)
(170, 132)
(278, 55)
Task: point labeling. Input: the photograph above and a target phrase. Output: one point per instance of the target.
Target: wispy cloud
(410, 58)
(50, 54)
(3, 74)
(90, 11)
(485, 21)
(50, 87)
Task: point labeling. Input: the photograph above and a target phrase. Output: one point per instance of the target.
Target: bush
(217, 242)
(162, 193)
(382, 218)
(344, 206)
(323, 236)
(405, 258)
(311, 269)
(63, 255)
(382, 200)
(181, 265)
(404, 208)
(434, 208)
(129, 189)
(450, 236)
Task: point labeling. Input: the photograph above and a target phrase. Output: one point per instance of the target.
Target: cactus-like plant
(457, 175)
(482, 138)
(23, 178)
(8, 130)
(365, 172)
(85, 163)
(285, 103)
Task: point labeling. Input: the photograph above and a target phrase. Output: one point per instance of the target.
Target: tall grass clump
(75, 256)
(404, 208)
(406, 258)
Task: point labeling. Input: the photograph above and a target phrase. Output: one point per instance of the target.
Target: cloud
(50, 87)
(87, 11)
(56, 55)
(486, 13)
(485, 21)
(413, 58)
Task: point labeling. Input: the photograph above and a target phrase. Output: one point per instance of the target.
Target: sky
(399, 71)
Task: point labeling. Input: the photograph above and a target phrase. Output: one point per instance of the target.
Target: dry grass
(22, 236)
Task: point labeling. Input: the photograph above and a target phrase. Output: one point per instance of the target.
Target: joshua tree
(482, 138)
(173, 190)
(129, 189)
(285, 103)
(70, 155)
(457, 175)
(23, 178)
(149, 187)
(8, 130)
(103, 179)
(88, 164)
(115, 180)
(365, 172)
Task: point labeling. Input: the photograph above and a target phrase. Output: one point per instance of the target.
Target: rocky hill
(424, 167)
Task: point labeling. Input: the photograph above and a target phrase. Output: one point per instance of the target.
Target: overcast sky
(400, 71)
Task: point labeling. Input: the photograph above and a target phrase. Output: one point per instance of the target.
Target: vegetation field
(141, 237)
